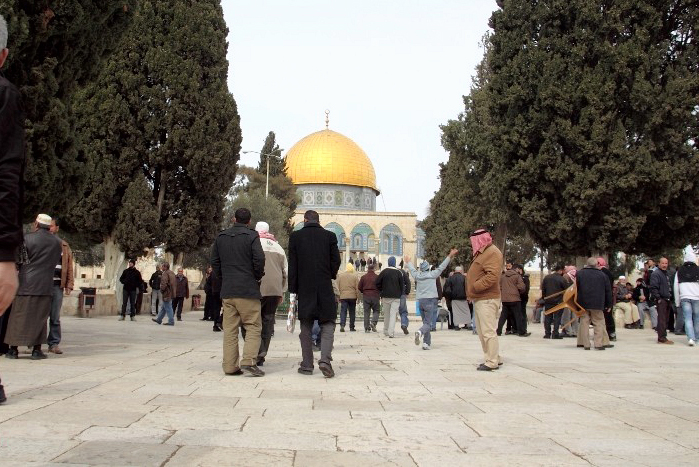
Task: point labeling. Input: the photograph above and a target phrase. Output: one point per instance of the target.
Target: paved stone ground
(146, 395)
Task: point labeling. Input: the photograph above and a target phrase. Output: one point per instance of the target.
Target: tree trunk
(179, 260)
(114, 264)
(500, 237)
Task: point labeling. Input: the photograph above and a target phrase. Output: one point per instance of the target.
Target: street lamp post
(261, 154)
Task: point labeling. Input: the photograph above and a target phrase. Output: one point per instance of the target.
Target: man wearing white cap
(32, 306)
(623, 301)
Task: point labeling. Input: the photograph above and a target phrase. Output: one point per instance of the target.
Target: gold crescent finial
(327, 118)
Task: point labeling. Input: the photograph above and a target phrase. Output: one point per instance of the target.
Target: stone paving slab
(137, 394)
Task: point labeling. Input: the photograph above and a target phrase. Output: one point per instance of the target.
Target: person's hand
(68, 291)
(279, 302)
(8, 284)
(406, 259)
(453, 252)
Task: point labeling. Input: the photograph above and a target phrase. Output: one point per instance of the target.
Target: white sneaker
(691, 343)
(418, 337)
(425, 346)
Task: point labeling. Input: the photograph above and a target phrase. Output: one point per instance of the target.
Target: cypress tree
(56, 47)
(276, 161)
(161, 133)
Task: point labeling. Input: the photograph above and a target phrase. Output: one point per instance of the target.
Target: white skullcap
(458, 269)
(43, 219)
(262, 227)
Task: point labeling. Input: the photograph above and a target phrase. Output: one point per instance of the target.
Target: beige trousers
(237, 311)
(630, 312)
(597, 317)
(486, 314)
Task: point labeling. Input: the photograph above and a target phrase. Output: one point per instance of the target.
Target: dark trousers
(212, 307)
(663, 307)
(177, 303)
(371, 303)
(327, 336)
(609, 323)
(509, 313)
(4, 321)
(128, 296)
(521, 318)
(268, 309)
(555, 319)
(351, 305)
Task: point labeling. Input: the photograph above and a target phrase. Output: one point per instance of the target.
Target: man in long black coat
(313, 263)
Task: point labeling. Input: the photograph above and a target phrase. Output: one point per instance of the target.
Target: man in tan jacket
(483, 287)
(167, 289)
(512, 286)
(348, 283)
(62, 284)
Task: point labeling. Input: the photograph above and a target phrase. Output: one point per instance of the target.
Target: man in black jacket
(660, 295)
(608, 316)
(156, 297)
(132, 280)
(390, 285)
(11, 188)
(403, 308)
(595, 295)
(456, 285)
(313, 263)
(553, 286)
(524, 299)
(237, 258)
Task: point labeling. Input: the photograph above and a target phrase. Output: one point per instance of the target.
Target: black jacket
(44, 253)
(212, 286)
(406, 281)
(552, 284)
(456, 286)
(524, 296)
(154, 281)
(11, 169)
(237, 258)
(313, 263)
(594, 290)
(638, 291)
(390, 283)
(131, 278)
(659, 285)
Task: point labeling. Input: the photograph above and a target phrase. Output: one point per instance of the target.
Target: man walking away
(426, 294)
(132, 280)
(62, 283)
(238, 259)
(512, 286)
(687, 294)
(348, 285)
(272, 287)
(610, 325)
(524, 299)
(660, 295)
(313, 263)
(167, 290)
(32, 305)
(456, 284)
(403, 308)
(552, 287)
(484, 290)
(181, 292)
(390, 285)
(370, 298)
(594, 295)
(156, 297)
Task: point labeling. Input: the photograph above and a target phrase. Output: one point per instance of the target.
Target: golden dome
(328, 157)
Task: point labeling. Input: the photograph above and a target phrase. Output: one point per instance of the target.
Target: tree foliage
(267, 209)
(56, 47)
(270, 150)
(161, 132)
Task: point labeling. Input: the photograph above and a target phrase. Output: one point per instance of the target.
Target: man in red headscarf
(483, 287)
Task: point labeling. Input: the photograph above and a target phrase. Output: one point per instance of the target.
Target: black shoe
(217, 329)
(612, 337)
(156, 321)
(600, 348)
(580, 346)
(3, 398)
(260, 363)
(557, 337)
(484, 367)
(498, 333)
(237, 372)
(179, 319)
(526, 334)
(507, 333)
(373, 327)
(353, 330)
(38, 355)
(342, 329)
(547, 337)
(405, 329)
(13, 354)
(326, 369)
(252, 370)
(305, 371)
(456, 328)
(609, 346)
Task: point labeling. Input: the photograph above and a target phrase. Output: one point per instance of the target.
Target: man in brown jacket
(168, 283)
(62, 283)
(483, 288)
(512, 286)
(348, 283)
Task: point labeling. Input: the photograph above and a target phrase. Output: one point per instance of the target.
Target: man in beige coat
(348, 283)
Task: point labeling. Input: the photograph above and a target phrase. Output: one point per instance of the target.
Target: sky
(390, 72)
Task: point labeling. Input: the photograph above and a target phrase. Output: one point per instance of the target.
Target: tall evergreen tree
(55, 48)
(161, 132)
(271, 150)
(594, 104)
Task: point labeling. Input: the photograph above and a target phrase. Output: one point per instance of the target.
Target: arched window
(362, 238)
(339, 232)
(391, 240)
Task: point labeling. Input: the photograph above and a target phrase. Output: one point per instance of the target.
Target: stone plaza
(138, 394)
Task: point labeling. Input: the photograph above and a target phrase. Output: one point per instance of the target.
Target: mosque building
(335, 177)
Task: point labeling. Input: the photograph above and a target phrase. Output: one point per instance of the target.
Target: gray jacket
(44, 253)
(425, 284)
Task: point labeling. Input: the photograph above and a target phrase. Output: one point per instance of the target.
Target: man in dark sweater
(660, 295)
(132, 280)
(608, 316)
(552, 287)
(594, 295)
(370, 298)
(390, 285)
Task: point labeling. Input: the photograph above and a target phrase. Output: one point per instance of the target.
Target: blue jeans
(346, 304)
(428, 311)
(55, 316)
(166, 309)
(403, 311)
(690, 308)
